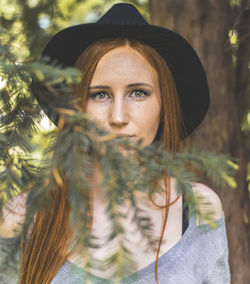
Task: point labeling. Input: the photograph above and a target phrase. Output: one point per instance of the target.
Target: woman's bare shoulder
(12, 216)
(208, 201)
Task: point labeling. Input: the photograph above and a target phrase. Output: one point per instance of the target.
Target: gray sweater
(199, 257)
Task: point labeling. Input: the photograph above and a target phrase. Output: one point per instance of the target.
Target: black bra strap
(184, 216)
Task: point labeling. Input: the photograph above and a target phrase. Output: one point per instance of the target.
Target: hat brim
(187, 70)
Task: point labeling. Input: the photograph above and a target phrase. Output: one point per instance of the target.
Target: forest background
(219, 30)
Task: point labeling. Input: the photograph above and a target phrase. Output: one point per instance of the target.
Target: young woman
(142, 82)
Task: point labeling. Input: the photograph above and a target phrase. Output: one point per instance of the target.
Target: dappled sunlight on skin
(208, 202)
(13, 216)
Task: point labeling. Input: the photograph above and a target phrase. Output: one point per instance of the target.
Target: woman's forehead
(124, 62)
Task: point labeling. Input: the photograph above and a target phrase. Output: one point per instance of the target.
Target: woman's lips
(125, 136)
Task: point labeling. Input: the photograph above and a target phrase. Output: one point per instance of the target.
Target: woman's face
(124, 95)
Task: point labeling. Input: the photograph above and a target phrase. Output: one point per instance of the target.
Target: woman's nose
(118, 115)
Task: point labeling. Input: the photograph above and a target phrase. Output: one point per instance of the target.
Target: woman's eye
(138, 94)
(99, 96)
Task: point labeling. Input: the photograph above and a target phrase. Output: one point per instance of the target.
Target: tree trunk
(206, 25)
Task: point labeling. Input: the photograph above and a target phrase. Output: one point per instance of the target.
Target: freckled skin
(120, 108)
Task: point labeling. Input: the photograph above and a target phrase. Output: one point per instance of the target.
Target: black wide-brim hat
(124, 20)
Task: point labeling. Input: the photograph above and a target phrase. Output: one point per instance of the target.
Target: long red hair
(47, 248)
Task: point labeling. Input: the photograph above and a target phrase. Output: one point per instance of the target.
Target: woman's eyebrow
(139, 85)
(128, 86)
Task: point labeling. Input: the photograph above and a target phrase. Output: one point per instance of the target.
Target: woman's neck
(159, 197)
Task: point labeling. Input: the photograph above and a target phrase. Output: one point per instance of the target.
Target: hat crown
(122, 13)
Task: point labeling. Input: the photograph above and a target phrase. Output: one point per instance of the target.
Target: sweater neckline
(162, 259)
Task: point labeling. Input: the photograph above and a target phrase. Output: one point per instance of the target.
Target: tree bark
(206, 25)
(241, 85)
